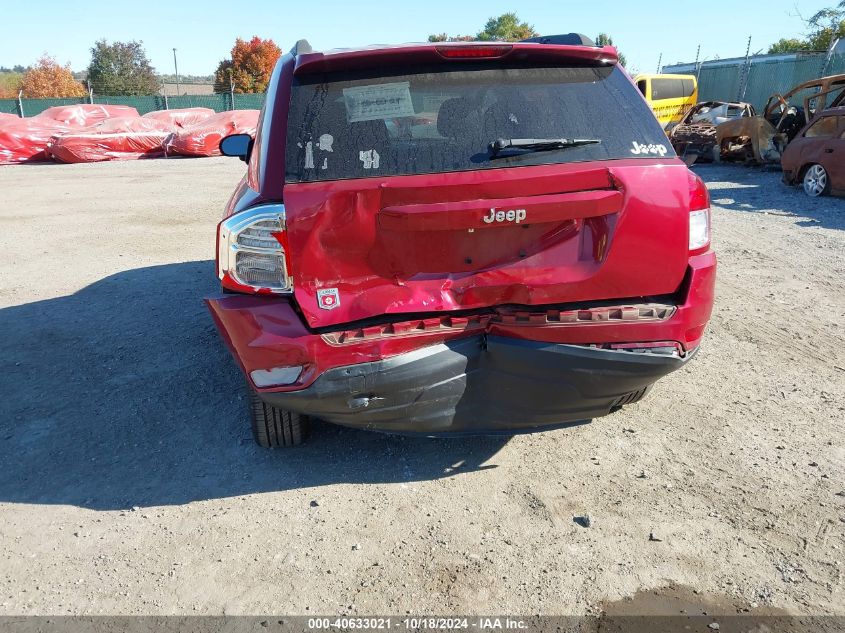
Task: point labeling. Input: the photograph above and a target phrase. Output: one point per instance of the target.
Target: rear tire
(274, 428)
(816, 181)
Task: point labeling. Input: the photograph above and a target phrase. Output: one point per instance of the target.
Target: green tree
(826, 26)
(10, 84)
(505, 28)
(788, 45)
(823, 28)
(443, 37)
(603, 39)
(121, 68)
(223, 76)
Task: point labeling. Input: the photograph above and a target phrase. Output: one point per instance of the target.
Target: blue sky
(203, 31)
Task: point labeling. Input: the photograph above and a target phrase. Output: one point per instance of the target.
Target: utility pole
(659, 63)
(176, 68)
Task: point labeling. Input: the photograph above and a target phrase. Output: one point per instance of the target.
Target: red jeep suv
(455, 238)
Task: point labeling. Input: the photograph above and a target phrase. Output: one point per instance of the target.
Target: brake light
(699, 214)
(495, 50)
(252, 254)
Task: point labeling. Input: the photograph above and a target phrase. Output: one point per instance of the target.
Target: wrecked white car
(694, 137)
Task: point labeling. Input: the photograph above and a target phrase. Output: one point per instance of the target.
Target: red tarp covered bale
(118, 138)
(204, 139)
(25, 140)
(85, 114)
(132, 124)
(181, 117)
(90, 147)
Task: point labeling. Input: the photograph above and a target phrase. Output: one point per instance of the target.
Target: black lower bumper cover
(482, 384)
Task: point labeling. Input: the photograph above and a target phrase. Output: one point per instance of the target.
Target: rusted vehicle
(816, 158)
(694, 137)
(763, 138)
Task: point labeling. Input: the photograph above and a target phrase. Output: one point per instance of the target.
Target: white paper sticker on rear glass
(379, 101)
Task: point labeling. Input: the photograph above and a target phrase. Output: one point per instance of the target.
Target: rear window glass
(375, 124)
(671, 88)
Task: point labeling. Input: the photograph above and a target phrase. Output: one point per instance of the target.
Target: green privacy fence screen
(755, 82)
(217, 102)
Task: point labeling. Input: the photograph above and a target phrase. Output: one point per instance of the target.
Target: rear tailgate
(589, 233)
(394, 205)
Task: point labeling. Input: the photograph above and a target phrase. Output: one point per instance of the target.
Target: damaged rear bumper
(480, 384)
(508, 370)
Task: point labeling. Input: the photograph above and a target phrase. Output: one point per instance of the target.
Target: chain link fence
(217, 102)
(755, 79)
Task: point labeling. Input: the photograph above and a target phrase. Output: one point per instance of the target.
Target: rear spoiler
(301, 47)
(566, 39)
(528, 52)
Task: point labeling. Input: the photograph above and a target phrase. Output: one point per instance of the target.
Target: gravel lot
(130, 483)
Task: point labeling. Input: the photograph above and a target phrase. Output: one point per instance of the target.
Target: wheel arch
(799, 173)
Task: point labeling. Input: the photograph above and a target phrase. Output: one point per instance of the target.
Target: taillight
(699, 214)
(493, 50)
(251, 251)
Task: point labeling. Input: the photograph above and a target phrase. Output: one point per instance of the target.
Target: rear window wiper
(538, 144)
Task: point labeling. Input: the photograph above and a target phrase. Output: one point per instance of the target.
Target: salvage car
(763, 139)
(452, 238)
(816, 158)
(694, 137)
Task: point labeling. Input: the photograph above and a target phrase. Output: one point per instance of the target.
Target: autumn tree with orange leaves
(49, 79)
(250, 66)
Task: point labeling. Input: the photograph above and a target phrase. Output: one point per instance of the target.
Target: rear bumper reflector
(642, 312)
(407, 328)
(603, 315)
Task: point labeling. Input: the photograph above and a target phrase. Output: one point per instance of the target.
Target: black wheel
(272, 427)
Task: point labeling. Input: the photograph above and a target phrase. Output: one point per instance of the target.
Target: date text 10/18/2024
(417, 624)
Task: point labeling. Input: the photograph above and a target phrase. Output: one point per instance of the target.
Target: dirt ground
(130, 483)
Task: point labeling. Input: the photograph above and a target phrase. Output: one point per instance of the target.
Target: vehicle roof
(376, 55)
